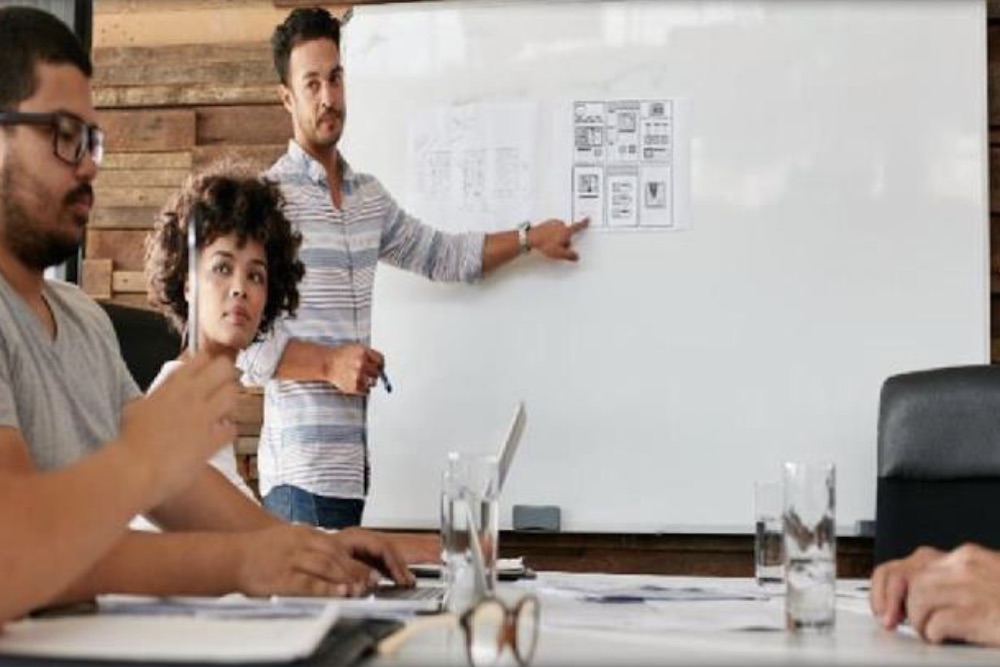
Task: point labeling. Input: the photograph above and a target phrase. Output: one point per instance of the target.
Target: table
(578, 632)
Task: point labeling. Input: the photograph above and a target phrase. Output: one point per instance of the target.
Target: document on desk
(655, 604)
(232, 629)
(657, 617)
(655, 593)
(640, 590)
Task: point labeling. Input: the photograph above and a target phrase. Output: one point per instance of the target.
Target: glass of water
(810, 544)
(767, 549)
(469, 510)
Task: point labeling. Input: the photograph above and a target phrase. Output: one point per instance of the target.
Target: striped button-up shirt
(313, 436)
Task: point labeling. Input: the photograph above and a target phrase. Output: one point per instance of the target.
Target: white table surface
(575, 632)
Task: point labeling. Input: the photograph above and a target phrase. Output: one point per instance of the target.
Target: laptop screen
(509, 447)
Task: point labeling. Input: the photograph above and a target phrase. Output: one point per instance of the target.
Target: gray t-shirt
(64, 395)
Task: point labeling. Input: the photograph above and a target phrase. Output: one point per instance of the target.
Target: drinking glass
(810, 546)
(769, 569)
(469, 507)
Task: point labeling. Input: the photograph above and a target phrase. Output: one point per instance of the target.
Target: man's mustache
(83, 192)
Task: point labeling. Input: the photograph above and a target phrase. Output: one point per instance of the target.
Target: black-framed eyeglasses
(72, 137)
(490, 625)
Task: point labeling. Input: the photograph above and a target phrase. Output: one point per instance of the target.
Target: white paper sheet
(233, 630)
(644, 604)
(630, 168)
(471, 167)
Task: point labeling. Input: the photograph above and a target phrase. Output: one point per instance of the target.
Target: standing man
(64, 388)
(318, 368)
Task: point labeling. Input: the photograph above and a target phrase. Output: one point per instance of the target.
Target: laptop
(509, 448)
(428, 597)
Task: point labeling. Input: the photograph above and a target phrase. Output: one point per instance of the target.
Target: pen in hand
(385, 380)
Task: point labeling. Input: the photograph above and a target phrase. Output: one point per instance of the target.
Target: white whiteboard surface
(839, 235)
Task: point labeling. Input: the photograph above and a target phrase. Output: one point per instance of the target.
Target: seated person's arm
(56, 524)
(211, 502)
(281, 560)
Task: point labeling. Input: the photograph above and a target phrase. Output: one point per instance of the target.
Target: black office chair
(938, 460)
(146, 339)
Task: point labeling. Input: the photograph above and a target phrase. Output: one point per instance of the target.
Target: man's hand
(379, 550)
(891, 582)
(298, 560)
(180, 424)
(553, 238)
(958, 597)
(353, 369)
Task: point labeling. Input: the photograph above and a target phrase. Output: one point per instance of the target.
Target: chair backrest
(938, 460)
(146, 339)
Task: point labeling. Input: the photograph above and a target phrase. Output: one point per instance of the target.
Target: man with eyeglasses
(57, 524)
(64, 390)
(72, 137)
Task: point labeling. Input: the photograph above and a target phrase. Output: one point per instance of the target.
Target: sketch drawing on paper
(624, 164)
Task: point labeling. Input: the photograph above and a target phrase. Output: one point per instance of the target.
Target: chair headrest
(146, 340)
(940, 424)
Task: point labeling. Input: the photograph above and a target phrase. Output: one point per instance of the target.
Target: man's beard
(333, 139)
(35, 248)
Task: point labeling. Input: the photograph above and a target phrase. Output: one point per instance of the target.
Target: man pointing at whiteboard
(318, 368)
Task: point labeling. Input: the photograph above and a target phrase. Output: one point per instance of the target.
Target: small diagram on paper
(623, 192)
(588, 132)
(625, 148)
(655, 193)
(588, 193)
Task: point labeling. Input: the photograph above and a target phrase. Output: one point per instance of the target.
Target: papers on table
(655, 604)
(623, 589)
(651, 604)
(225, 607)
(232, 629)
(658, 593)
(658, 617)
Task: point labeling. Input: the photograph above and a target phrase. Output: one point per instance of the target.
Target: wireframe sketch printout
(471, 167)
(625, 170)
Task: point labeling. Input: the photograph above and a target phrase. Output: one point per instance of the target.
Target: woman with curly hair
(248, 274)
(248, 267)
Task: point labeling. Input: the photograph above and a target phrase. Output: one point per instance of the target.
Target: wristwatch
(522, 237)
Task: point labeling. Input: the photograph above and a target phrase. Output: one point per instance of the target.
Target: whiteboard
(838, 157)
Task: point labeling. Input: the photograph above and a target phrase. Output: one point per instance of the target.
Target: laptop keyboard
(402, 593)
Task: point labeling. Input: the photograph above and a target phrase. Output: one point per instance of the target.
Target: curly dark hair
(228, 198)
(302, 25)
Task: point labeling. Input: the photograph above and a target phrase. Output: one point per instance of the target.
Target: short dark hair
(29, 36)
(230, 198)
(302, 25)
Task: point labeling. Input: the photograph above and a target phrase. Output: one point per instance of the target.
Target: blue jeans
(299, 506)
